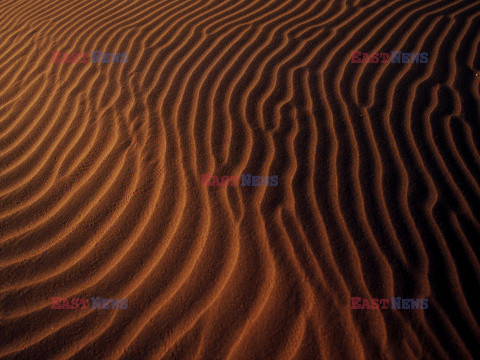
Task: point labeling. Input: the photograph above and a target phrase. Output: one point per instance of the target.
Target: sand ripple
(100, 187)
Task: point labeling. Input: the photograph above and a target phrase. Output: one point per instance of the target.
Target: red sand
(101, 193)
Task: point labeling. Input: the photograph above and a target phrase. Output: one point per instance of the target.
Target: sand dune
(378, 169)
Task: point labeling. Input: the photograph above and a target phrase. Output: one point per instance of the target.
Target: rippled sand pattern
(101, 194)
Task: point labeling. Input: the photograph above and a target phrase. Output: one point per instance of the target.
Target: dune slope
(101, 193)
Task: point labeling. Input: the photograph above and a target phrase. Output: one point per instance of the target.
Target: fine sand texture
(101, 192)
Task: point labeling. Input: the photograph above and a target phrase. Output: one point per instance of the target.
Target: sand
(101, 190)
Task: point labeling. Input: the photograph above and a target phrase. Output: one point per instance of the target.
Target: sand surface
(101, 192)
